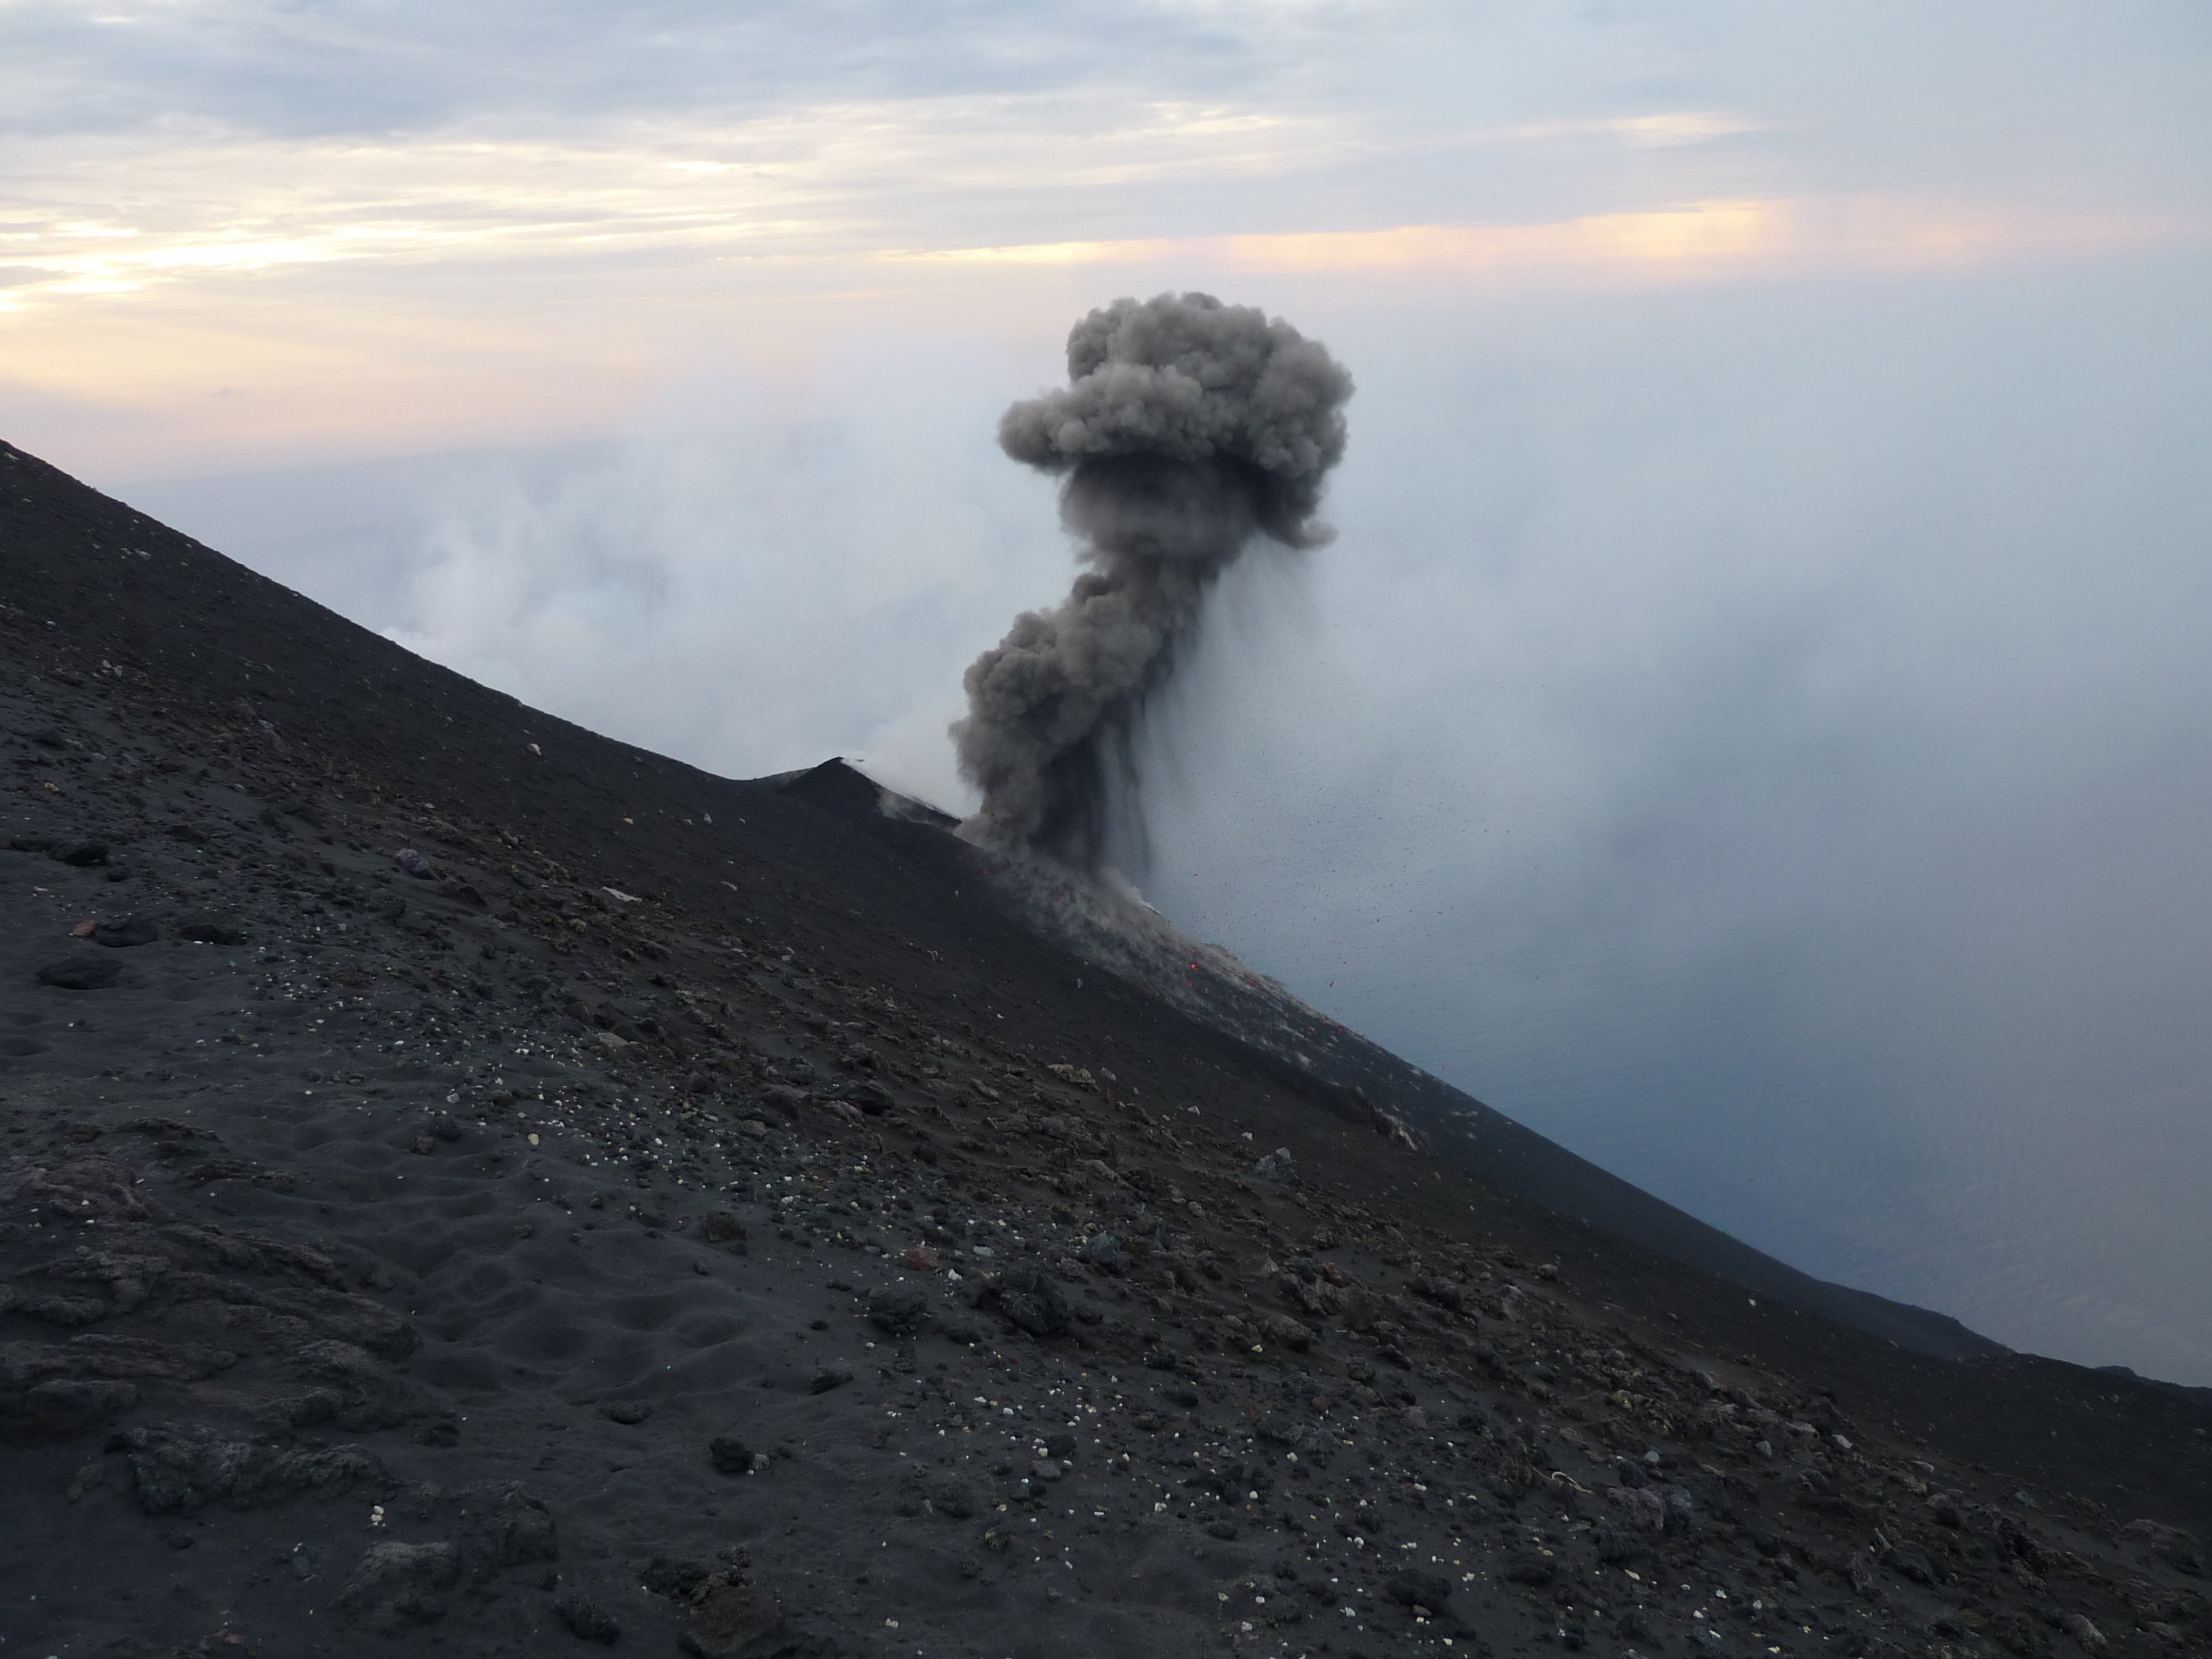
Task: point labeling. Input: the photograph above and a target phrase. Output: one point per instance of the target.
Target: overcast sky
(1751, 723)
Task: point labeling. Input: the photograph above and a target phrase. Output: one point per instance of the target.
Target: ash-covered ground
(471, 1187)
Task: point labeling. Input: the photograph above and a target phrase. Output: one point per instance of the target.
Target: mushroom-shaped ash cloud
(1188, 428)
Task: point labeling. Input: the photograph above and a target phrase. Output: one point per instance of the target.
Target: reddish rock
(732, 1621)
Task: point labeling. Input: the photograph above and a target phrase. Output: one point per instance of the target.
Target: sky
(1750, 725)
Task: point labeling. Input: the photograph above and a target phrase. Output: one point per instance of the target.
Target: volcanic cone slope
(469, 1186)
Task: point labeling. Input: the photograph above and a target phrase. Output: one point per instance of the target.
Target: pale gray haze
(1751, 723)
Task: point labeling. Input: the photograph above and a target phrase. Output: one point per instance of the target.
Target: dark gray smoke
(1187, 429)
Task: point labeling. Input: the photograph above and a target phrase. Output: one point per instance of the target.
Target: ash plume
(1188, 428)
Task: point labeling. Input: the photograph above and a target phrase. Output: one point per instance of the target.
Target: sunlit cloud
(94, 219)
(1666, 128)
(113, 216)
(192, 236)
(1701, 238)
(1682, 127)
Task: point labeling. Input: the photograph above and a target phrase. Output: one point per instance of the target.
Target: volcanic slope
(471, 1187)
(1324, 1061)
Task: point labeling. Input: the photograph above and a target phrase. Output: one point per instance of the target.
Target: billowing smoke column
(1187, 428)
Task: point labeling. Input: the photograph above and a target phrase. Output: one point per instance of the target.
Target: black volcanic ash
(1187, 429)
